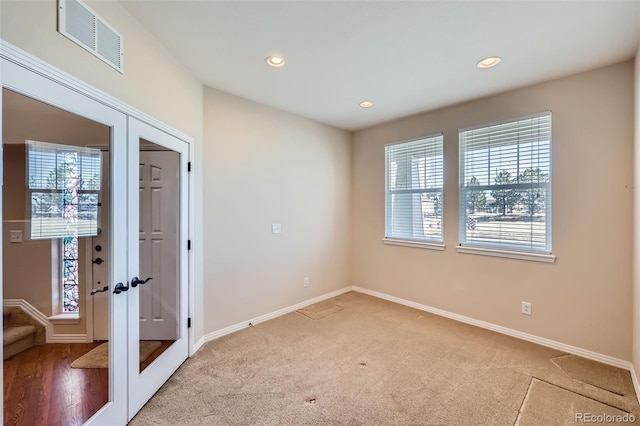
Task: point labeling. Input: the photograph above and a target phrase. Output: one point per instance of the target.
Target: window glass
(413, 188)
(505, 185)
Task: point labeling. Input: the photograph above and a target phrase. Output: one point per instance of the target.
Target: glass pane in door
(159, 253)
(55, 216)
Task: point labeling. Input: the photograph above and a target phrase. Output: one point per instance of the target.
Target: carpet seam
(524, 400)
(580, 381)
(581, 394)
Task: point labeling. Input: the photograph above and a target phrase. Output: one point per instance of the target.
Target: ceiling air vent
(79, 23)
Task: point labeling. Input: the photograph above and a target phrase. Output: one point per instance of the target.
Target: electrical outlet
(306, 281)
(15, 236)
(526, 308)
(276, 228)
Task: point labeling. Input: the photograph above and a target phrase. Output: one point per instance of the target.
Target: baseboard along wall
(262, 318)
(585, 353)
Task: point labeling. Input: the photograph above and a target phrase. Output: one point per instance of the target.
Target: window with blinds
(63, 183)
(413, 188)
(505, 185)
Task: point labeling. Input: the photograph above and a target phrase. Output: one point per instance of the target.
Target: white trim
(413, 243)
(45, 322)
(197, 346)
(191, 262)
(26, 60)
(65, 318)
(634, 380)
(605, 359)
(245, 324)
(510, 254)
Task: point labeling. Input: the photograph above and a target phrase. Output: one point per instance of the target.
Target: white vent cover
(79, 23)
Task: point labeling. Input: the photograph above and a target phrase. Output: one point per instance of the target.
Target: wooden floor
(41, 388)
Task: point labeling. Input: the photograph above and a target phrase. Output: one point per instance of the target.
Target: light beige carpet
(319, 310)
(98, 357)
(375, 363)
(547, 404)
(603, 376)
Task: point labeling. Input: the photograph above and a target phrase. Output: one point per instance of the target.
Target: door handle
(135, 281)
(98, 261)
(119, 288)
(94, 291)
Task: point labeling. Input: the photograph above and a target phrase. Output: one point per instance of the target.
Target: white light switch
(15, 236)
(275, 228)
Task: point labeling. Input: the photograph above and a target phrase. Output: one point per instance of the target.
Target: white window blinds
(505, 185)
(63, 183)
(413, 188)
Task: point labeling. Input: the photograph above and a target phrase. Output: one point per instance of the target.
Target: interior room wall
(584, 298)
(20, 278)
(154, 82)
(266, 166)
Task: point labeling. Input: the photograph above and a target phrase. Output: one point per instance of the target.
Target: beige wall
(267, 166)
(584, 299)
(153, 82)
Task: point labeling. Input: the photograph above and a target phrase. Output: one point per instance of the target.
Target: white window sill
(412, 243)
(66, 318)
(520, 255)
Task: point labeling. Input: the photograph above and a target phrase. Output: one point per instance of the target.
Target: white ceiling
(405, 56)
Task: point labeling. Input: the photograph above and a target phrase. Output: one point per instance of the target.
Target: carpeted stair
(20, 331)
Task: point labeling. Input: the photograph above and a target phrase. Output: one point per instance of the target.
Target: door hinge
(189, 166)
(188, 244)
(188, 322)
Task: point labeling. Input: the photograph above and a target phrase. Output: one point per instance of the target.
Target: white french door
(145, 236)
(158, 229)
(62, 100)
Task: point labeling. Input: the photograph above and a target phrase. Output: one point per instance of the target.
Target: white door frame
(26, 64)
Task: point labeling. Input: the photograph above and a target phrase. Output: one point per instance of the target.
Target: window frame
(428, 243)
(505, 248)
(34, 189)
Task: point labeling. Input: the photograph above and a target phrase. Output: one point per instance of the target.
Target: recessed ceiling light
(275, 61)
(489, 62)
(366, 104)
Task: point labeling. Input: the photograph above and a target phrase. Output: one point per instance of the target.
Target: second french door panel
(158, 229)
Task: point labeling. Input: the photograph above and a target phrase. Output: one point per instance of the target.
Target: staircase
(20, 331)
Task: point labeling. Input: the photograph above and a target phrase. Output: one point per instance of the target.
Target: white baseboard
(197, 345)
(636, 384)
(242, 325)
(605, 359)
(44, 320)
